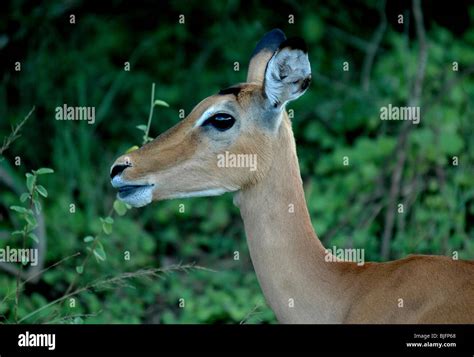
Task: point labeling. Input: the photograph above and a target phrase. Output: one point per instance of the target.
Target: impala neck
(299, 285)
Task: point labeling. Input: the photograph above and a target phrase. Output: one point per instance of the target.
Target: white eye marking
(208, 113)
(222, 108)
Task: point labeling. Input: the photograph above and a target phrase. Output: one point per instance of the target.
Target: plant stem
(39, 273)
(87, 257)
(152, 105)
(15, 134)
(25, 232)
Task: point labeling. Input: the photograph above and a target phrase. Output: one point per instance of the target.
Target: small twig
(40, 273)
(87, 257)
(352, 40)
(250, 314)
(70, 317)
(15, 134)
(365, 201)
(422, 53)
(373, 48)
(150, 116)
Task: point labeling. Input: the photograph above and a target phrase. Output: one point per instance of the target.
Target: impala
(300, 284)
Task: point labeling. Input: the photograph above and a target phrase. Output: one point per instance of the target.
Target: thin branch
(70, 317)
(400, 151)
(250, 314)
(373, 48)
(422, 53)
(15, 134)
(38, 274)
(349, 38)
(150, 115)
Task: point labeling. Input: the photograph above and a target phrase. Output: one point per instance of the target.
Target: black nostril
(118, 169)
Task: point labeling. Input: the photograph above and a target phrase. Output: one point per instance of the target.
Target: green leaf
(17, 233)
(19, 209)
(78, 321)
(161, 103)
(30, 181)
(42, 191)
(80, 269)
(44, 170)
(133, 148)
(451, 142)
(107, 225)
(24, 196)
(31, 219)
(107, 228)
(99, 252)
(120, 207)
(33, 237)
(141, 127)
(88, 239)
(37, 206)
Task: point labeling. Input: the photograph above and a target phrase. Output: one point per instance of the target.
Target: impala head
(226, 143)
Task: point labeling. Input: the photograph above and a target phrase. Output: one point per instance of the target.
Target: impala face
(237, 122)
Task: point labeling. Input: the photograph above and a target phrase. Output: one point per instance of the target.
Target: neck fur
(299, 285)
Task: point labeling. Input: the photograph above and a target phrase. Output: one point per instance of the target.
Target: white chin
(203, 193)
(137, 198)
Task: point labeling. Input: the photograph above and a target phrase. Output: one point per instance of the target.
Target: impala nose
(117, 169)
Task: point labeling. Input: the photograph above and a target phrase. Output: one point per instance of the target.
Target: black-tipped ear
(262, 53)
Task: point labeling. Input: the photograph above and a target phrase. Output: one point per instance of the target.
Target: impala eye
(220, 121)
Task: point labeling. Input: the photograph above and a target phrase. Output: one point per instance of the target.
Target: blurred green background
(82, 64)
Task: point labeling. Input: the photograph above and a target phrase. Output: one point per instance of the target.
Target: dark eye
(220, 121)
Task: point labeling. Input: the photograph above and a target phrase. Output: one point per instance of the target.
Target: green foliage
(31, 197)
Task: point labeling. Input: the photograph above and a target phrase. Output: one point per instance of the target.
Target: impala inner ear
(262, 53)
(288, 72)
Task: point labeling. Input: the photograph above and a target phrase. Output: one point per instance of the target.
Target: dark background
(391, 162)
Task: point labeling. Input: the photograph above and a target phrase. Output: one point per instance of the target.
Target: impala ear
(288, 73)
(262, 53)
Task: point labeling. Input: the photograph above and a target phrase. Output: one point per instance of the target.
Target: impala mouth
(134, 195)
(127, 190)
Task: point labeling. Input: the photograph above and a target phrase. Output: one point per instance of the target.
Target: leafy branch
(34, 191)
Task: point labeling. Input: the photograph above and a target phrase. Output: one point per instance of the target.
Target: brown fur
(289, 261)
